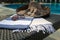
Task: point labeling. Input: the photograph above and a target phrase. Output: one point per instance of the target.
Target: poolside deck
(6, 34)
(5, 12)
(54, 36)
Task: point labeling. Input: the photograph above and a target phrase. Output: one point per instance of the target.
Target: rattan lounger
(6, 34)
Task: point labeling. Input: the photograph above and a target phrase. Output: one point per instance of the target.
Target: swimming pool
(13, 6)
(54, 7)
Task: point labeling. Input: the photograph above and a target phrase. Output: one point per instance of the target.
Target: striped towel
(41, 24)
(19, 24)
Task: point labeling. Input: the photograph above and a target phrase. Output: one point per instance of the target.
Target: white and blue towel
(19, 24)
(41, 24)
(29, 23)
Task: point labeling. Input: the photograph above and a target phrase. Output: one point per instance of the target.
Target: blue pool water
(54, 8)
(14, 6)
